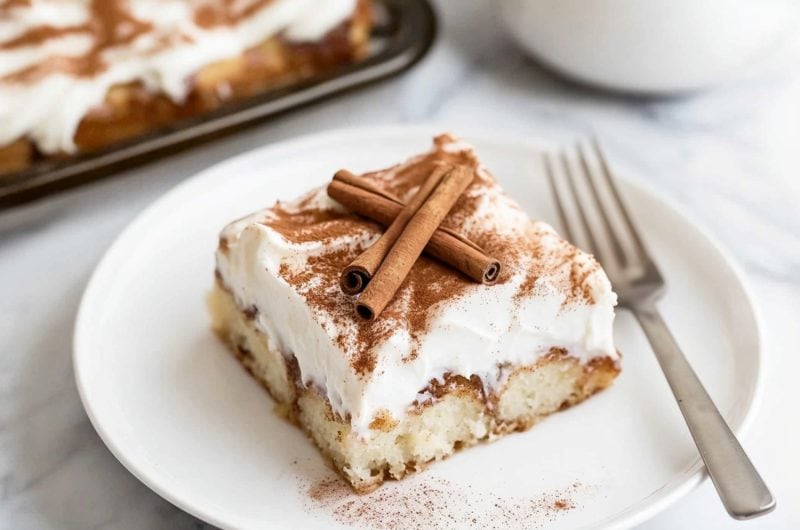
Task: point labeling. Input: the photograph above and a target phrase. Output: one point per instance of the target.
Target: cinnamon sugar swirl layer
(59, 59)
(286, 261)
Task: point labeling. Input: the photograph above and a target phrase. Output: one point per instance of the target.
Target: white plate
(182, 416)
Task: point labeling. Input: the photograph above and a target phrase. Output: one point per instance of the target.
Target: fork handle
(739, 485)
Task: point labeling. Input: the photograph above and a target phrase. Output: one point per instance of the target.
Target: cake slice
(450, 362)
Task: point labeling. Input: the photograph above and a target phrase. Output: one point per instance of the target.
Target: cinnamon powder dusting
(437, 503)
(314, 225)
(112, 24)
(331, 238)
(213, 14)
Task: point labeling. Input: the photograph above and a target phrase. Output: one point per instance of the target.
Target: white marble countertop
(730, 156)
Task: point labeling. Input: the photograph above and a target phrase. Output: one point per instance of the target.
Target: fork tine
(587, 243)
(618, 252)
(551, 178)
(616, 197)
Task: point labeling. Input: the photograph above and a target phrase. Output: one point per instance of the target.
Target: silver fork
(595, 219)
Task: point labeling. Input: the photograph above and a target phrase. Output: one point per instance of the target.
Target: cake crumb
(436, 503)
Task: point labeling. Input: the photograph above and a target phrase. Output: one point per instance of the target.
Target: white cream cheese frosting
(169, 45)
(550, 295)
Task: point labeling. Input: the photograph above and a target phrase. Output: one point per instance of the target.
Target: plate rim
(695, 473)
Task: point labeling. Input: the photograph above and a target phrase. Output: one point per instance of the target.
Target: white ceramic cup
(649, 46)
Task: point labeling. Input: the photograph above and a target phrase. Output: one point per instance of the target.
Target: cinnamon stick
(411, 242)
(356, 276)
(360, 196)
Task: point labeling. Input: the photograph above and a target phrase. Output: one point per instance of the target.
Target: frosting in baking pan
(58, 58)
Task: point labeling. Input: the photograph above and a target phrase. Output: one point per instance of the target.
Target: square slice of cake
(450, 362)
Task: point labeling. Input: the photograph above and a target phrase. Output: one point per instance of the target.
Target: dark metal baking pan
(403, 33)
